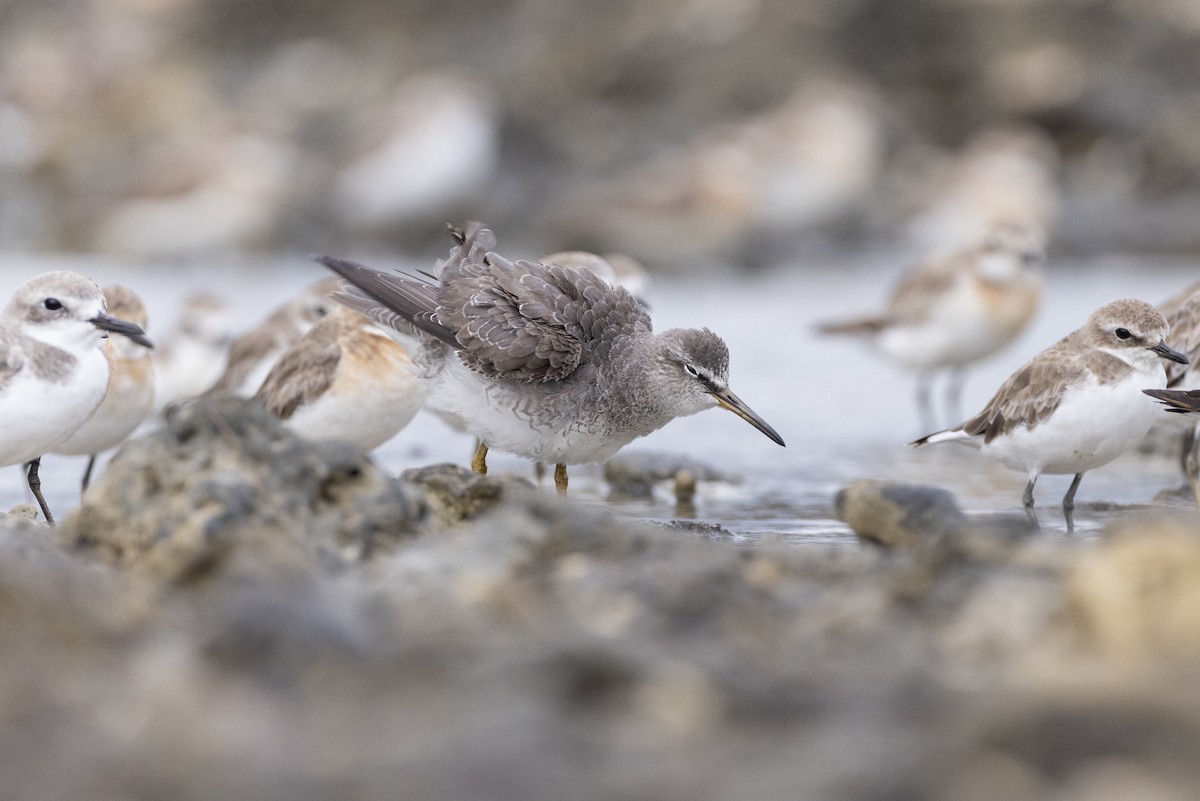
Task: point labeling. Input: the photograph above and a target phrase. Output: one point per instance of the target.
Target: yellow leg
(479, 460)
(560, 478)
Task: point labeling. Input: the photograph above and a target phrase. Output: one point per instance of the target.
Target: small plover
(545, 362)
(193, 357)
(53, 373)
(346, 379)
(1183, 315)
(130, 396)
(1078, 404)
(948, 313)
(252, 354)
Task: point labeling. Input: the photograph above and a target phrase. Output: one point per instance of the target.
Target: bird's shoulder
(1032, 393)
(13, 358)
(922, 285)
(531, 322)
(304, 372)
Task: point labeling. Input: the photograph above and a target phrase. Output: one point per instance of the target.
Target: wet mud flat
(233, 612)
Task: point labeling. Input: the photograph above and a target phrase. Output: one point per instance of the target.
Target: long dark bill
(727, 400)
(1167, 352)
(122, 327)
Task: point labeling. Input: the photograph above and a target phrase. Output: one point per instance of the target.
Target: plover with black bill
(53, 373)
(346, 379)
(130, 396)
(542, 361)
(1078, 404)
(252, 354)
(950, 312)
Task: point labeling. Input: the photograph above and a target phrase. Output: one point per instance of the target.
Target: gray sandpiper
(542, 361)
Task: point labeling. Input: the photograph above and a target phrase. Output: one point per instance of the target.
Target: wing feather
(410, 299)
(1184, 321)
(303, 373)
(1030, 395)
(520, 320)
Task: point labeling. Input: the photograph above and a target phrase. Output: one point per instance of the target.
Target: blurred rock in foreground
(213, 624)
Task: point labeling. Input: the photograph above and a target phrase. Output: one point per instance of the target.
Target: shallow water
(844, 413)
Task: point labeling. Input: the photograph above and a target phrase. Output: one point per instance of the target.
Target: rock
(916, 516)
(454, 494)
(703, 530)
(225, 478)
(23, 511)
(1181, 496)
(899, 515)
(1136, 596)
(634, 474)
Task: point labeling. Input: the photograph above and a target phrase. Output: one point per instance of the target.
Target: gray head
(694, 363)
(207, 317)
(67, 310)
(1132, 330)
(1010, 251)
(314, 303)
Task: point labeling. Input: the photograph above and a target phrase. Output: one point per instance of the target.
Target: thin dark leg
(1069, 502)
(35, 486)
(1191, 463)
(1185, 451)
(539, 472)
(87, 474)
(1027, 502)
(954, 388)
(924, 403)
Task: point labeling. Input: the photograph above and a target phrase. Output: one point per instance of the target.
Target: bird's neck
(631, 386)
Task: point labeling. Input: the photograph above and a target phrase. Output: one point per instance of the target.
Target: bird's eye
(1122, 333)
(692, 371)
(52, 304)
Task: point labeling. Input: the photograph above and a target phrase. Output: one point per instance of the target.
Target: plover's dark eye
(1122, 333)
(52, 304)
(692, 371)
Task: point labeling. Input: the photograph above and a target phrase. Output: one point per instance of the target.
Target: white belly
(365, 409)
(128, 402)
(193, 367)
(40, 415)
(1094, 425)
(960, 329)
(490, 414)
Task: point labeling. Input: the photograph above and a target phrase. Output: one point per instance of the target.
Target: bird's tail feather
(1177, 400)
(390, 299)
(863, 326)
(949, 435)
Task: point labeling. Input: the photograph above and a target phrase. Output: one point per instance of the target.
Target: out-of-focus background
(233, 613)
(686, 132)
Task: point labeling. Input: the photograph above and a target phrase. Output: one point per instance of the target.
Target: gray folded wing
(518, 320)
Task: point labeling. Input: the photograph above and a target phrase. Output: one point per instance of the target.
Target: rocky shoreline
(234, 612)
